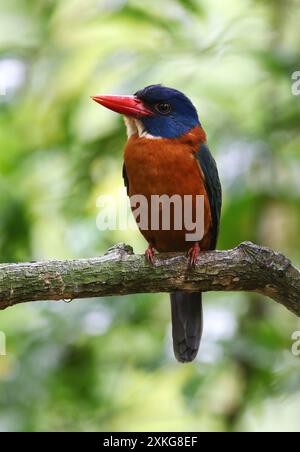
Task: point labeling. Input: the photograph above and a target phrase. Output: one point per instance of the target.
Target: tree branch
(247, 267)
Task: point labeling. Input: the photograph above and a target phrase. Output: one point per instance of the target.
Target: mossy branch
(247, 267)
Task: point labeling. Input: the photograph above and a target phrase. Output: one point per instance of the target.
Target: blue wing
(125, 178)
(213, 189)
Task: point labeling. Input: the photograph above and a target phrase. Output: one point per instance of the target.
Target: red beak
(126, 105)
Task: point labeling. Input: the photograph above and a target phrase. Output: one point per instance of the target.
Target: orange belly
(167, 166)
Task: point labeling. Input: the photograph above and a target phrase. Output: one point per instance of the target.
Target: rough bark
(247, 267)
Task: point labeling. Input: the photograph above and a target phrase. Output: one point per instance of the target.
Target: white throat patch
(135, 126)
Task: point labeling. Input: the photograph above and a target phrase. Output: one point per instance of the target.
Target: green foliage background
(107, 364)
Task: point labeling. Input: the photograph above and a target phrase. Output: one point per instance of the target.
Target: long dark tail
(186, 324)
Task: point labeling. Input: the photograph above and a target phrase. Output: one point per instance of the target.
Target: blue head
(173, 112)
(164, 112)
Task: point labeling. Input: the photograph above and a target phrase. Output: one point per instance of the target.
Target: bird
(167, 153)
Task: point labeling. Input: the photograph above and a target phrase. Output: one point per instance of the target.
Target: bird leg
(193, 254)
(149, 253)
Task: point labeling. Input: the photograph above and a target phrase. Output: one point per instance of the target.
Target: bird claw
(149, 254)
(193, 254)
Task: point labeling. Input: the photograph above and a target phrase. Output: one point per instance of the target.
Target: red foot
(193, 254)
(149, 253)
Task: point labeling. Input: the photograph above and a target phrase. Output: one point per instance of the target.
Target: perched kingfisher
(167, 154)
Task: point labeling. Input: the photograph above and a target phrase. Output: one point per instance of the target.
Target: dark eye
(163, 107)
